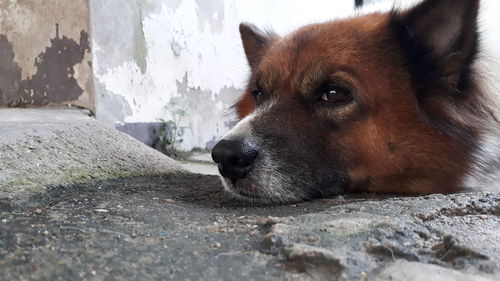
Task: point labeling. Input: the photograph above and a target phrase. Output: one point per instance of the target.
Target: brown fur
(396, 138)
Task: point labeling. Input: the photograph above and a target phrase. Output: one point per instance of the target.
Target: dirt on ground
(184, 227)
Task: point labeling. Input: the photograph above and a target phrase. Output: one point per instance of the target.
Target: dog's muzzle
(235, 157)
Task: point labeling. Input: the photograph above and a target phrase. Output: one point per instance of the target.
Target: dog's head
(367, 103)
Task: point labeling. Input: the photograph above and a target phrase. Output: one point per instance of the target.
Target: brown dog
(386, 102)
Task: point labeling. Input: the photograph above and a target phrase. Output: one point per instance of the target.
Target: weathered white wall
(148, 53)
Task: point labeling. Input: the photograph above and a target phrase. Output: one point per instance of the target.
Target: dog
(394, 102)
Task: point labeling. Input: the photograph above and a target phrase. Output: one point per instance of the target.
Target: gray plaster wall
(45, 56)
(160, 59)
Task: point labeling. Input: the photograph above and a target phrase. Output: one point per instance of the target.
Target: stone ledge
(44, 147)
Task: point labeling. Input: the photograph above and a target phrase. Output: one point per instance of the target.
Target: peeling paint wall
(152, 57)
(45, 56)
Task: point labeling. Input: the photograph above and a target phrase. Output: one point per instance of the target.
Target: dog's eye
(335, 94)
(256, 94)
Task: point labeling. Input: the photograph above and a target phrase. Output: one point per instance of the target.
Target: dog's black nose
(235, 157)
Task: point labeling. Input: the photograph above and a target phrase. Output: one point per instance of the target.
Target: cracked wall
(154, 53)
(45, 55)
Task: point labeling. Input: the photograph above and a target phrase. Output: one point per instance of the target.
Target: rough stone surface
(183, 227)
(43, 147)
(414, 271)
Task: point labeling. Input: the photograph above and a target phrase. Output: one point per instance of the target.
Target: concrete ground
(200, 163)
(166, 224)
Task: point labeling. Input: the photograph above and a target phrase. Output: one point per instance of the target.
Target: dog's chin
(252, 191)
(245, 190)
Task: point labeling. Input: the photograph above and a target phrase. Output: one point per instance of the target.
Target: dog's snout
(235, 157)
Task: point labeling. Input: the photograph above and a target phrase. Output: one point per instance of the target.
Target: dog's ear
(440, 40)
(255, 41)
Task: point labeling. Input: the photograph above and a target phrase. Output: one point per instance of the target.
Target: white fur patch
(486, 171)
(242, 128)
